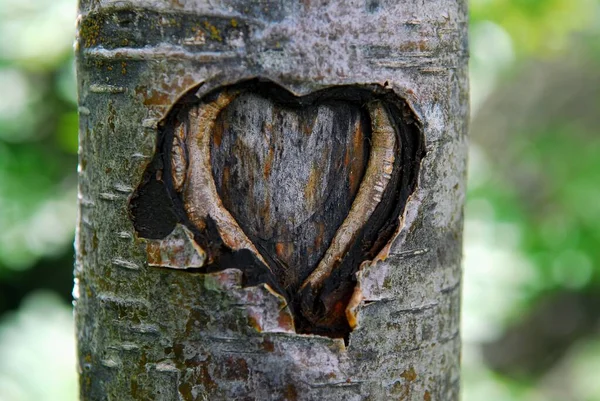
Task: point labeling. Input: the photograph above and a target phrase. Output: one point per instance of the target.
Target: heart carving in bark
(298, 192)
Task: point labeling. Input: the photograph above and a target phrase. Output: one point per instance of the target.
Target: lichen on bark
(148, 331)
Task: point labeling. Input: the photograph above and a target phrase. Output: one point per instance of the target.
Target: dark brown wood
(288, 175)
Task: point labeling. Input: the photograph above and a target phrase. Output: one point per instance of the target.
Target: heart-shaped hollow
(288, 174)
(297, 192)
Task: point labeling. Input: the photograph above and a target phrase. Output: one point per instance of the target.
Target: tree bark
(190, 284)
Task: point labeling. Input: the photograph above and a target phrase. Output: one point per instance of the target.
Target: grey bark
(147, 329)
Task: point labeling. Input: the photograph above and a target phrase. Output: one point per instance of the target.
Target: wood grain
(289, 175)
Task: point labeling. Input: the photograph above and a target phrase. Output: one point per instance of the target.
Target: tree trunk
(270, 199)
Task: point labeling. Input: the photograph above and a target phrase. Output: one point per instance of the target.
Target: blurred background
(531, 311)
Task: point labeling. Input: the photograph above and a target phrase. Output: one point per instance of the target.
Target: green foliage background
(531, 314)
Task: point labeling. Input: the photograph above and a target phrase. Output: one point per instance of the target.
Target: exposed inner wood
(295, 192)
(288, 175)
(199, 194)
(372, 187)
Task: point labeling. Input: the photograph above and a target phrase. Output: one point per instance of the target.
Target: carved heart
(313, 186)
(288, 175)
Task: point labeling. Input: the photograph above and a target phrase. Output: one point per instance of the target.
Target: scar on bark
(297, 192)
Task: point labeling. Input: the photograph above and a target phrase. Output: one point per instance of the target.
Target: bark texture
(151, 324)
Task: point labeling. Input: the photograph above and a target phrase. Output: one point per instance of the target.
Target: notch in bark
(297, 192)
